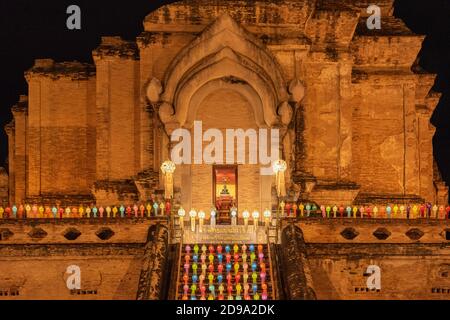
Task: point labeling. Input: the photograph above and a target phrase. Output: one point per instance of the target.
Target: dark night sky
(37, 29)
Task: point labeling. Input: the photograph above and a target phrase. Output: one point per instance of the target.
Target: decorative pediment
(223, 50)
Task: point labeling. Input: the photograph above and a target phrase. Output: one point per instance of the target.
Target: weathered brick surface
(410, 269)
(36, 269)
(407, 271)
(4, 186)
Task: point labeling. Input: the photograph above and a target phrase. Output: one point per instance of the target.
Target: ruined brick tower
(359, 133)
(353, 109)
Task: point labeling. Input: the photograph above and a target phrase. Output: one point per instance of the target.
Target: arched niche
(243, 89)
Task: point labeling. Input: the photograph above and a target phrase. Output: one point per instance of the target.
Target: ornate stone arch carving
(225, 68)
(224, 49)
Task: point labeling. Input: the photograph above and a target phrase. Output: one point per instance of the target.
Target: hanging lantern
(168, 168)
(246, 215)
(213, 218)
(279, 168)
(201, 216)
(193, 215)
(267, 215)
(233, 216)
(181, 215)
(255, 216)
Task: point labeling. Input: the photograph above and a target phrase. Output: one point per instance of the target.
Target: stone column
(297, 275)
(411, 181)
(154, 264)
(19, 151)
(9, 128)
(345, 118)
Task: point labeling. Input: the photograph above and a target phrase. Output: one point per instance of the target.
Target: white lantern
(213, 218)
(201, 215)
(255, 216)
(233, 213)
(193, 215)
(279, 166)
(245, 215)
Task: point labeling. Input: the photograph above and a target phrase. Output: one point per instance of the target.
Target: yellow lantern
(81, 211)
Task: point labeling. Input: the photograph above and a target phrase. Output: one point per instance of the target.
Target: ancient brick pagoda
(353, 108)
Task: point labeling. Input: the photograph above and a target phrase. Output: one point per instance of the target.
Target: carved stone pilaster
(153, 270)
(297, 275)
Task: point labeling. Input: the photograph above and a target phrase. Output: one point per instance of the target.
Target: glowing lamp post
(181, 215)
(168, 168)
(201, 216)
(279, 168)
(193, 215)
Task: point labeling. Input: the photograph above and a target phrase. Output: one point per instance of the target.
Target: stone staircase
(225, 272)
